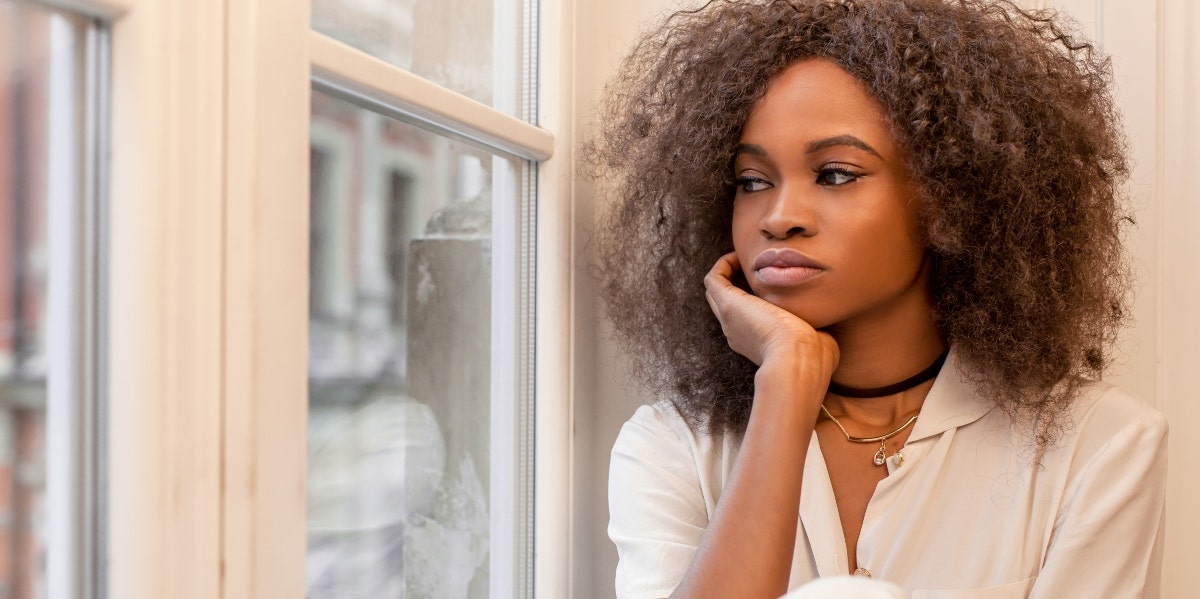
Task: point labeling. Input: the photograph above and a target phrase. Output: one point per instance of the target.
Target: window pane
(415, 482)
(41, 136)
(482, 49)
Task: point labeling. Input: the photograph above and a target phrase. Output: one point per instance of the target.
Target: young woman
(869, 252)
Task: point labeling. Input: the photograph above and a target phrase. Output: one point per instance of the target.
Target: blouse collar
(952, 402)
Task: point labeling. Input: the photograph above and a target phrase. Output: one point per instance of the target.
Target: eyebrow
(816, 146)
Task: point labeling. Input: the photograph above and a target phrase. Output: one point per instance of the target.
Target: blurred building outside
(399, 334)
(24, 98)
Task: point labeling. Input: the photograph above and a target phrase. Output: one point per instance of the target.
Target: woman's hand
(759, 329)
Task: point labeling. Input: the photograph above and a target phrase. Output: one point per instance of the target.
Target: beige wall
(604, 398)
(1157, 68)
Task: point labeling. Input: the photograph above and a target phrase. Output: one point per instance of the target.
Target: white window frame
(166, 335)
(208, 283)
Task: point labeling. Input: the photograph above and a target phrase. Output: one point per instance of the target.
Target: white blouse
(976, 510)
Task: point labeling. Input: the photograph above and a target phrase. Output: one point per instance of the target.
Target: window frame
(207, 274)
(165, 279)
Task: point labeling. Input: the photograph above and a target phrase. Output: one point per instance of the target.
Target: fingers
(726, 265)
(721, 274)
(718, 283)
(756, 328)
(712, 304)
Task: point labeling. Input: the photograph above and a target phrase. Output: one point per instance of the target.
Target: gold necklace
(881, 455)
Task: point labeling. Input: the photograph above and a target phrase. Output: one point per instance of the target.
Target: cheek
(743, 233)
(893, 244)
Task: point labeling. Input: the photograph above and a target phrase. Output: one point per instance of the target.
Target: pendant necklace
(906, 384)
(881, 455)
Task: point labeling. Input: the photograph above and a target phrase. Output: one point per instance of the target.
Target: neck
(883, 349)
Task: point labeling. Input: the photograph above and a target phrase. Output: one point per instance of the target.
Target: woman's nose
(789, 213)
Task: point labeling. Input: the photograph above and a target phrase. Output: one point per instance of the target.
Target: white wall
(1157, 68)
(1156, 63)
(605, 31)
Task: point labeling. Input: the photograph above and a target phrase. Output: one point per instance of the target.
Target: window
(420, 287)
(218, 198)
(482, 49)
(50, 303)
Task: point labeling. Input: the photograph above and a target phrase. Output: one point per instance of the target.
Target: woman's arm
(746, 550)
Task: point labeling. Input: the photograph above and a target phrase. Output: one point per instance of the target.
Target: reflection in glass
(478, 48)
(400, 335)
(40, 134)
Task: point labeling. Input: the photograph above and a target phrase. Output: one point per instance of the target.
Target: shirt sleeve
(657, 511)
(1108, 539)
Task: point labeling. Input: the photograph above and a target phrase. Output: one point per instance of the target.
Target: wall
(1157, 71)
(605, 398)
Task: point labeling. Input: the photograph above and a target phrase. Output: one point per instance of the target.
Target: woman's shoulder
(1105, 428)
(657, 437)
(661, 423)
(1107, 425)
(660, 415)
(1104, 412)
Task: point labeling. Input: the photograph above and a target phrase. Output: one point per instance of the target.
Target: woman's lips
(783, 276)
(785, 267)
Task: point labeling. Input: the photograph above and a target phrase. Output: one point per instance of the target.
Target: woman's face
(825, 217)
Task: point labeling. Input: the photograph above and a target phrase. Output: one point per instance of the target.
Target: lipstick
(785, 267)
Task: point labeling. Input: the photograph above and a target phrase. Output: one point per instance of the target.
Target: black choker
(903, 385)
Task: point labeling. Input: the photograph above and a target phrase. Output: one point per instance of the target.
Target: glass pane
(41, 93)
(482, 49)
(413, 259)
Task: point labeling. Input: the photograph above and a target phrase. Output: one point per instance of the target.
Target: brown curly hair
(1008, 121)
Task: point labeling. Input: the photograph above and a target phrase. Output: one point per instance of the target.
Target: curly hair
(1011, 134)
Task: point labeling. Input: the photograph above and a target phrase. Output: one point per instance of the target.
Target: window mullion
(266, 136)
(165, 313)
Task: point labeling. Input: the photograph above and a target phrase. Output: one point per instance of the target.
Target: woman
(907, 217)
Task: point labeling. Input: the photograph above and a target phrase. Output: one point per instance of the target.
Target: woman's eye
(752, 184)
(836, 176)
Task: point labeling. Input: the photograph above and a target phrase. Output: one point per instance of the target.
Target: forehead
(814, 99)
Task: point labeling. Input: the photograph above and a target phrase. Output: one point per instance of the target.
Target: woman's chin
(817, 317)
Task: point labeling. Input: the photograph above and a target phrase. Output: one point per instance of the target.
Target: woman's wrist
(791, 388)
(807, 360)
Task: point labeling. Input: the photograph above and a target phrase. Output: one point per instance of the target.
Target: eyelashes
(827, 175)
(748, 184)
(836, 174)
